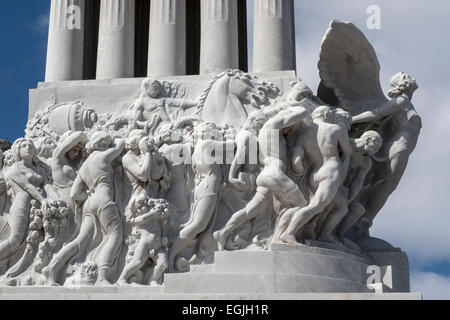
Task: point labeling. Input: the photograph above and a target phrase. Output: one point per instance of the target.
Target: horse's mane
(212, 82)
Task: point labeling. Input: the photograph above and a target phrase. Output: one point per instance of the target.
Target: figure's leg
(284, 189)
(334, 218)
(162, 263)
(202, 215)
(380, 194)
(111, 221)
(24, 263)
(283, 223)
(78, 245)
(10, 245)
(324, 195)
(257, 205)
(286, 192)
(356, 211)
(141, 255)
(19, 221)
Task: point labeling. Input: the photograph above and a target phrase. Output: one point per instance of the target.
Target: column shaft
(167, 38)
(219, 36)
(274, 36)
(116, 39)
(65, 41)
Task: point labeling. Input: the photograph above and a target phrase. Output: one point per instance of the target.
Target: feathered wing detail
(349, 65)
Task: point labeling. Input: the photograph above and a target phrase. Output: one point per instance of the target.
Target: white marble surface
(65, 41)
(115, 57)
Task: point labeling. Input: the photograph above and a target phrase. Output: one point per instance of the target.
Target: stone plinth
(291, 270)
(283, 273)
(112, 95)
(149, 294)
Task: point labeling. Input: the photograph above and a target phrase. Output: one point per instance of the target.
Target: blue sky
(22, 60)
(413, 38)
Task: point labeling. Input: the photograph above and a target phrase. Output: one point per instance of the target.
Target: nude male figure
(336, 150)
(152, 101)
(273, 180)
(207, 139)
(94, 186)
(348, 209)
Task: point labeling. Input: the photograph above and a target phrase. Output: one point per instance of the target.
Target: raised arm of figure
(382, 111)
(238, 161)
(144, 219)
(140, 172)
(287, 118)
(72, 140)
(347, 150)
(138, 109)
(115, 151)
(184, 104)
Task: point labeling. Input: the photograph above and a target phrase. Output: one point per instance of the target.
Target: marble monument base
(282, 273)
(119, 295)
(110, 96)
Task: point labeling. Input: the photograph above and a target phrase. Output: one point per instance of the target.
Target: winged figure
(349, 67)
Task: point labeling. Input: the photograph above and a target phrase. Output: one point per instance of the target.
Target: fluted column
(116, 39)
(167, 38)
(65, 41)
(274, 36)
(219, 36)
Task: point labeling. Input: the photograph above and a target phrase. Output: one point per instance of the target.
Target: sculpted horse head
(232, 95)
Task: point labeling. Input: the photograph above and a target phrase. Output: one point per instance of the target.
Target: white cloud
(40, 24)
(431, 285)
(417, 216)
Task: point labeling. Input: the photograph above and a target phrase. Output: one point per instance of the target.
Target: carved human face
(402, 83)
(256, 121)
(187, 130)
(323, 113)
(141, 206)
(372, 142)
(75, 152)
(27, 150)
(213, 134)
(371, 146)
(153, 89)
(147, 144)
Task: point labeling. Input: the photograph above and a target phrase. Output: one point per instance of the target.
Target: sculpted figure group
(168, 181)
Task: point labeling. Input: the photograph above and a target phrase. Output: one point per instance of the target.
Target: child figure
(148, 218)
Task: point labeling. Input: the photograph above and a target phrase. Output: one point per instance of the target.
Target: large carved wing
(349, 66)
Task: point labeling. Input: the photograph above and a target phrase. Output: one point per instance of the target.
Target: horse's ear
(294, 83)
